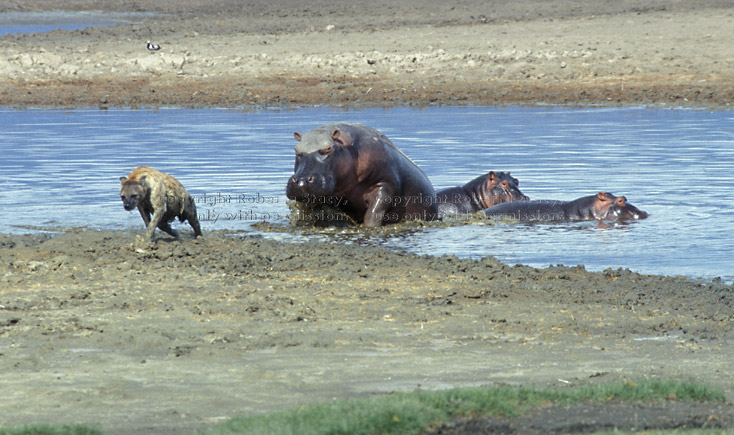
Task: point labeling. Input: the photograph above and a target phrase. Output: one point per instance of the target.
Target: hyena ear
(142, 179)
(123, 179)
(297, 135)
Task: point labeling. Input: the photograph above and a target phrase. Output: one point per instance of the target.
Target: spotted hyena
(161, 195)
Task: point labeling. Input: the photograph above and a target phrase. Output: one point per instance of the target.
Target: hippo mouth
(638, 214)
(519, 197)
(628, 213)
(507, 195)
(305, 189)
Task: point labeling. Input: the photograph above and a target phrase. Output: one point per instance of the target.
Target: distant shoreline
(378, 56)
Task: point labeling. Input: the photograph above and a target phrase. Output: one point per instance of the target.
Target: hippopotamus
(359, 171)
(480, 193)
(602, 206)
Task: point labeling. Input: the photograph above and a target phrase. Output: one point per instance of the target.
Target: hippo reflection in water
(602, 206)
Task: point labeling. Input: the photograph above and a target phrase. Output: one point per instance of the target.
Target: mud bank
(96, 327)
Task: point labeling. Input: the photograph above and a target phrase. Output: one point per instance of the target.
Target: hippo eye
(325, 151)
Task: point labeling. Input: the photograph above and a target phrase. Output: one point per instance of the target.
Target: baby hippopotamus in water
(602, 206)
(480, 193)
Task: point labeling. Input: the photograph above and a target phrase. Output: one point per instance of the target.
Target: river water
(62, 169)
(47, 21)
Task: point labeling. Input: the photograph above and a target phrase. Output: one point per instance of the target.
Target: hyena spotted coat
(160, 195)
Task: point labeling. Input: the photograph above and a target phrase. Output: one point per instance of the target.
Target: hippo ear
(342, 138)
(297, 135)
(123, 179)
(605, 196)
(491, 179)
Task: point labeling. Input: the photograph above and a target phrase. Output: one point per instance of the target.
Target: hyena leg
(149, 230)
(146, 217)
(166, 226)
(149, 226)
(194, 222)
(157, 221)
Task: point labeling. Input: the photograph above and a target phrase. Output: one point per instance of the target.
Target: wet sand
(97, 327)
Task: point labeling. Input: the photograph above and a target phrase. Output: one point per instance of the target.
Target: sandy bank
(658, 55)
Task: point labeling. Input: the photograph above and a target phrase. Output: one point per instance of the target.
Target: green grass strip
(408, 413)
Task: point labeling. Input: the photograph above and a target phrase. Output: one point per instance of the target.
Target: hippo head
(321, 157)
(616, 207)
(624, 210)
(498, 187)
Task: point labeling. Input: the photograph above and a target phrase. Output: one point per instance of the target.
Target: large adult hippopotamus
(360, 172)
(601, 206)
(482, 192)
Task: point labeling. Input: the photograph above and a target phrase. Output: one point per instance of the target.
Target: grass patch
(45, 429)
(408, 413)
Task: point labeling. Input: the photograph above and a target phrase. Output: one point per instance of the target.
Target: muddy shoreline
(376, 53)
(99, 328)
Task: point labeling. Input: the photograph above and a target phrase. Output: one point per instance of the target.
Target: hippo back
(536, 210)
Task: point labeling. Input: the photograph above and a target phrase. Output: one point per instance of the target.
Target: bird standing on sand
(153, 47)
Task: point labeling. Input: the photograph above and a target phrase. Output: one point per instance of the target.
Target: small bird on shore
(153, 47)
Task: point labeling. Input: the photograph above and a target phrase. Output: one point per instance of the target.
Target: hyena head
(131, 192)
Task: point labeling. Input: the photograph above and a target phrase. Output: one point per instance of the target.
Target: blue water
(38, 22)
(62, 169)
